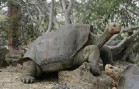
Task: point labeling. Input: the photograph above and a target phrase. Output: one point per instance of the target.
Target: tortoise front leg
(92, 54)
(31, 71)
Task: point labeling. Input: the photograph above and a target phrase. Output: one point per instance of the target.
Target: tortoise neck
(103, 38)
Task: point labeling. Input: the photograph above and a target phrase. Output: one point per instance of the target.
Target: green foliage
(35, 15)
(11, 1)
(100, 12)
(2, 18)
(3, 27)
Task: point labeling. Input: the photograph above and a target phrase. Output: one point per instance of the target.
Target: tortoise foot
(95, 71)
(27, 79)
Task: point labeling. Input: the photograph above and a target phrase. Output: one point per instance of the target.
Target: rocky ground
(77, 79)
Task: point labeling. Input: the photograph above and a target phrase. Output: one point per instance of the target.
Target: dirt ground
(10, 79)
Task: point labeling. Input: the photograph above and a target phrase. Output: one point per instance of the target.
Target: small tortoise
(124, 78)
(67, 47)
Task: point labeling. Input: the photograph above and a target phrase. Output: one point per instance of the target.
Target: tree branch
(124, 41)
(67, 10)
(135, 13)
(64, 5)
(55, 22)
(119, 46)
(123, 30)
(70, 6)
(51, 17)
(84, 12)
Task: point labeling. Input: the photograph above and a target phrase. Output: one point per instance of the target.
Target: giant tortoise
(68, 47)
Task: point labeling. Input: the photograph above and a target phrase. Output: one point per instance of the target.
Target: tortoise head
(113, 28)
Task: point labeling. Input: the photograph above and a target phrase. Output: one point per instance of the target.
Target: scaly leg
(91, 55)
(31, 71)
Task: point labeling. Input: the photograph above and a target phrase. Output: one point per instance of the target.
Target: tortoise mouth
(116, 32)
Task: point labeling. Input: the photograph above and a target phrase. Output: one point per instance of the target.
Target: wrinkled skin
(106, 55)
(88, 53)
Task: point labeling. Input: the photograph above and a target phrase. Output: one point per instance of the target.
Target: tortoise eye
(111, 67)
(114, 25)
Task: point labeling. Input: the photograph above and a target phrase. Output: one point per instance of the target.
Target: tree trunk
(14, 14)
(67, 9)
(51, 16)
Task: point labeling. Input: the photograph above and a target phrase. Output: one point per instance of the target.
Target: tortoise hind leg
(31, 71)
